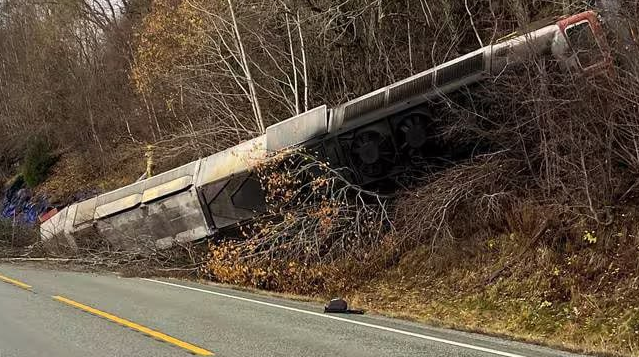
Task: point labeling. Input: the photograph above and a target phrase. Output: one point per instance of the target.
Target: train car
(155, 213)
(375, 136)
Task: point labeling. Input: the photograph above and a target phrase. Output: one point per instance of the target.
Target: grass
(75, 173)
(539, 300)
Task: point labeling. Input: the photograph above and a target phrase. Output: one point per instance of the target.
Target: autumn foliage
(315, 218)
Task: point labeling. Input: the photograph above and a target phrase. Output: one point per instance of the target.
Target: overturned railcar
(375, 136)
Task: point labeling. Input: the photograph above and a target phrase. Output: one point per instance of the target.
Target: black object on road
(340, 306)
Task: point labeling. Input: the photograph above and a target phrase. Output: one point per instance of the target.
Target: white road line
(407, 333)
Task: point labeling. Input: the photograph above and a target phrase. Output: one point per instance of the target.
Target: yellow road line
(155, 334)
(15, 282)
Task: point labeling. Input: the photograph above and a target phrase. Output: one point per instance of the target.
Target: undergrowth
(38, 159)
(15, 239)
(579, 294)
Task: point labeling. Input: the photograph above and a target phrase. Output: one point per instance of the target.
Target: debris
(20, 205)
(340, 306)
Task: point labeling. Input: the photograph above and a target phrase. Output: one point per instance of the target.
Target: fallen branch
(56, 260)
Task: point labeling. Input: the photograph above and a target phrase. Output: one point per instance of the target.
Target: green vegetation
(38, 159)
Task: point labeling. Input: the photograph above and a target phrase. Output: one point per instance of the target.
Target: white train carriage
(155, 213)
(371, 135)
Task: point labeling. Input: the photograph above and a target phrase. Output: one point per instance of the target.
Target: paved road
(79, 314)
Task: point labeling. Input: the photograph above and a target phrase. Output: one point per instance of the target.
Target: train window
(584, 44)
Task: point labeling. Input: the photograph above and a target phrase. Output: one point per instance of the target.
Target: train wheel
(373, 153)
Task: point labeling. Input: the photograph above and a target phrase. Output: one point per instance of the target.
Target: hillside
(529, 232)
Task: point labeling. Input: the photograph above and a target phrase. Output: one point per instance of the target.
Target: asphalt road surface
(54, 313)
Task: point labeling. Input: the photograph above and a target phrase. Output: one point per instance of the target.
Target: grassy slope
(584, 298)
(75, 173)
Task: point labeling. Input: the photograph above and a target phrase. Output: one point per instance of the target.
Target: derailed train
(373, 135)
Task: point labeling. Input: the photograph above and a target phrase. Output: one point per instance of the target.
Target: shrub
(13, 237)
(38, 159)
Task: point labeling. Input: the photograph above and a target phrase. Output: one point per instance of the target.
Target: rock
(336, 305)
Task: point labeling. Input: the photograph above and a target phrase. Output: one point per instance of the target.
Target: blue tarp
(20, 206)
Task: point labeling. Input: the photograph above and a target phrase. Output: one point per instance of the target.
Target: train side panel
(155, 213)
(52, 230)
(229, 192)
(159, 224)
